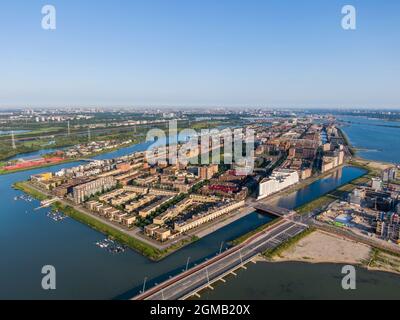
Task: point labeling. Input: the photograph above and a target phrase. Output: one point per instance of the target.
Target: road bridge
(189, 283)
(272, 210)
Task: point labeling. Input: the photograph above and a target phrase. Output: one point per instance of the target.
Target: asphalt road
(204, 275)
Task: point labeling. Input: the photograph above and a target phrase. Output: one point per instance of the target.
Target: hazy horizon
(277, 54)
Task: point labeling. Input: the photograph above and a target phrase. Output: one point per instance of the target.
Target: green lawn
(246, 236)
(24, 187)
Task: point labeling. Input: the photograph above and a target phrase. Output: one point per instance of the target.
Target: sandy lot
(375, 164)
(320, 247)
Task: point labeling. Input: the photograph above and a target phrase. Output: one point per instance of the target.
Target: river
(377, 139)
(29, 240)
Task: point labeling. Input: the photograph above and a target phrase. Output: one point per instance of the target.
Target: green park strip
(24, 187)
(277, 251)
(248, 235)
(141, 247)
(316, 204)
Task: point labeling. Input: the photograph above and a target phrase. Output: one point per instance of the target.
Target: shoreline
(319, 247)
(132, 238)
(107, 228)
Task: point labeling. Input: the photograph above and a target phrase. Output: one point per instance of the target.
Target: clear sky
(272, 53)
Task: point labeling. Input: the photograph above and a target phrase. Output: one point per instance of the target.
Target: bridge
(272, 210)
(189, 283)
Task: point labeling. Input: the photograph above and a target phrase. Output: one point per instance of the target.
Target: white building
(376, 184)
(279, 180)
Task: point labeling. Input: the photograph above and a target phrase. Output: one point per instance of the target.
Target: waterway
(320, 187)
(302, 281)
(29, 240)
(377, 139)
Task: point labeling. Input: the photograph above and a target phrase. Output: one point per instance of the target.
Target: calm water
(30, 240)
(294, 280)
(323, 186)
(381, 139)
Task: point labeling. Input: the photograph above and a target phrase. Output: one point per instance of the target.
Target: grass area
(277, 251)
(24, 187)
(317, 203)
(385, 261)
(248, 235)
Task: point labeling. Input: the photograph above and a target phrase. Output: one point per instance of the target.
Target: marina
(23, 197)
(111, 246)
(57, 216)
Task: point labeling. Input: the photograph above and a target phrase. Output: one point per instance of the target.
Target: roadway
(204, 275)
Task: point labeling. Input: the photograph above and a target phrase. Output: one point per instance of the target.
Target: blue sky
(272, 53)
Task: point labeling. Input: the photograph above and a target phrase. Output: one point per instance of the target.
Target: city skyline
(225, 54)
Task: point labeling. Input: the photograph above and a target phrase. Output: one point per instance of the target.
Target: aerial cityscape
(180, 174)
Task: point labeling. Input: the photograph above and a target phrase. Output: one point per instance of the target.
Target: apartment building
(207, 172)
(146, 211)
(130, 207)
(280, 179)
(83, 191)
(203, 218)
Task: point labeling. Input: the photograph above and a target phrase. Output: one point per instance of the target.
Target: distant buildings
(207, 172)
(389, 175)
(376, 184)
(279, 180)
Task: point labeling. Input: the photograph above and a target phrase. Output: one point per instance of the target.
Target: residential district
(167, 199)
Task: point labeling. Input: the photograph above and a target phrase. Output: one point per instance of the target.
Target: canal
(29, 240)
